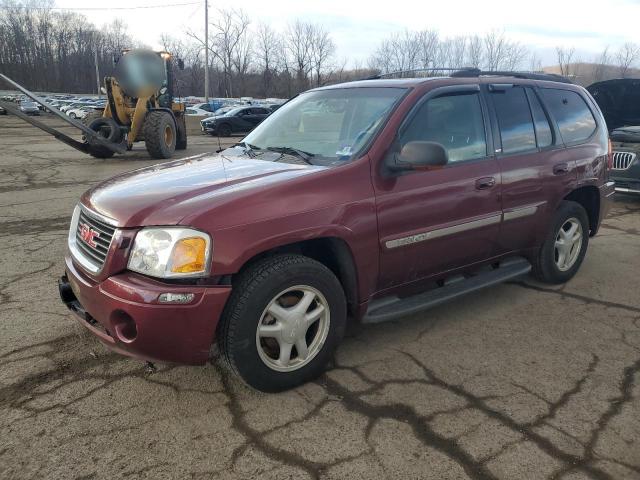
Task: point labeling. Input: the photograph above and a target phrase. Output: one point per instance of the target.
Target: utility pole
(206, 51)
(95, 60)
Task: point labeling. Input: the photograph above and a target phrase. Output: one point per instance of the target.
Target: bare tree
(495, 46)
(227, 43)
(428, 44)
(475, 52)
(565, 57)
(299, 43)
(267, 51)
(626, 57)
(601, 63)
(322, 49)
(535, 64)
(514, 55)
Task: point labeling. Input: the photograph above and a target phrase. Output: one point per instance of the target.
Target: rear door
(433, 221)
(522, 132)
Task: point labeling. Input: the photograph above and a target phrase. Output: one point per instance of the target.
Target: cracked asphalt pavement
(518, 381)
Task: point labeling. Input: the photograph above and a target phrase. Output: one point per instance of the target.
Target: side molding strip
(519, 213)
(443, 232)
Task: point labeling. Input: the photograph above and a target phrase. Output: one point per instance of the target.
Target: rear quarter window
(574, 118)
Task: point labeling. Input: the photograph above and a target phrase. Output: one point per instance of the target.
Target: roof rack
(475, 72)
(470, 72)
(410, 73)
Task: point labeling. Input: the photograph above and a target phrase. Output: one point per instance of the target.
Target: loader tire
(181, 140)
(106, 128)
(159, 134)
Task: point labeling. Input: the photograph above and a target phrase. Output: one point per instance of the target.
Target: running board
(392, 307)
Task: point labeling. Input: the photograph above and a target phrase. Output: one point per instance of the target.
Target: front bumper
(627, 185)
(123, 312)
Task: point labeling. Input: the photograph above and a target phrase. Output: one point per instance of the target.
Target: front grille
(95, 242)
(623, 160)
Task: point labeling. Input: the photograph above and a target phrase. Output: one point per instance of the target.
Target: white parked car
(198, 112)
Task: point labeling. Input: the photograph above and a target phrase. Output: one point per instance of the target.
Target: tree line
(55, 50)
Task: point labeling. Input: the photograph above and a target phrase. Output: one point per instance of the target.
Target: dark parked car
(619, 101)
(237, 120)
(3, 111)
(384, 198)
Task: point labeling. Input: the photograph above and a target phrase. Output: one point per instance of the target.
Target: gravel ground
(518, 381)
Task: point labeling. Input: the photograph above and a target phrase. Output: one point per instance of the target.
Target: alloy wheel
(568, 244)
(293, 328)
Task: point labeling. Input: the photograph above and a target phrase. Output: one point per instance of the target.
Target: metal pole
(206, 51)
(95, 60)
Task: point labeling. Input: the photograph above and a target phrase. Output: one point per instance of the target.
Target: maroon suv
(373, 199)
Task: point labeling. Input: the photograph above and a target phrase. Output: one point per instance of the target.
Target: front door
(433, 221)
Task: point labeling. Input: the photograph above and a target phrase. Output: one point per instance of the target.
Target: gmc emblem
(88, 235)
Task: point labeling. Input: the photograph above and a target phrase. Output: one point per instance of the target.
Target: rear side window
(574, 118)
(540, 120)
(514, 120)
(455, 121)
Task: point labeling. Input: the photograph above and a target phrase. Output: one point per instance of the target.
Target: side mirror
(180, 64)
(420, 155)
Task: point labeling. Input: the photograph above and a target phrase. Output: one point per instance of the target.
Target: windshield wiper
(306, 156)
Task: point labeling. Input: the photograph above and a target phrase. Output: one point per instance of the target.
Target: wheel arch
(333, 252)
(589, 197)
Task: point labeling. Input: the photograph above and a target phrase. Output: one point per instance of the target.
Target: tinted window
(455, 121)
(540, 120)
(514, 120)
(260, 111)
(206, 107)
(575, 120)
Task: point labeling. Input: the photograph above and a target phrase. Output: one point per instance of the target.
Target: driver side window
(455, 121)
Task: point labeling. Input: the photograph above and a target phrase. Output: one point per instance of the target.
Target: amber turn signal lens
(189, 255)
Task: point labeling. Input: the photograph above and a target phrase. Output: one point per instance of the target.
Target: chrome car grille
(623, 160)
(90, 239)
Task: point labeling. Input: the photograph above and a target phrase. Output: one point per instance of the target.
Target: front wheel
(159, 131)
(285, 317)
(565, 246)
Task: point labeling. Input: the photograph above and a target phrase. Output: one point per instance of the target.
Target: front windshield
(332, 123)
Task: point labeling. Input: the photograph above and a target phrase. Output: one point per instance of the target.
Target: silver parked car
(30, 108)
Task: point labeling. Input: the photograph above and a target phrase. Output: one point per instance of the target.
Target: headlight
(171, 252)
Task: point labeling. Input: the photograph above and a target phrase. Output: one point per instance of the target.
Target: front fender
(355, 224)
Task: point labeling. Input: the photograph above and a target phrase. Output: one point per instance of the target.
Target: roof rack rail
(409, 73)
(475, 72)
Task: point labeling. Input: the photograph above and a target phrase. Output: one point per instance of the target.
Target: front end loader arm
(92, 136)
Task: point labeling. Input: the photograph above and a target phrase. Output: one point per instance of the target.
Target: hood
(619, 101)
(164, 194)
(629, 134)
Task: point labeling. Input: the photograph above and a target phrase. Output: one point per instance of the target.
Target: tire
(181, 141)
(224, 130)
(95, 121)
(255, 358)
(548, 264)
(73, 115)
(159, 132)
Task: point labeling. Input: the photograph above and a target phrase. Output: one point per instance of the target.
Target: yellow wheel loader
(140, 107)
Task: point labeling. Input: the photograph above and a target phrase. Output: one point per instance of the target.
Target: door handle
(485, 183)
(561, 168)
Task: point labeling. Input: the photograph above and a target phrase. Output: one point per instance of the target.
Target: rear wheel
(284, 319)
(565, 246)
(159, 134)
(224, 130)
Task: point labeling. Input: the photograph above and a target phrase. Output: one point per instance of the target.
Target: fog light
(175, 297)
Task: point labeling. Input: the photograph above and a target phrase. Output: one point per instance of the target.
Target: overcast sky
(358, 25)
